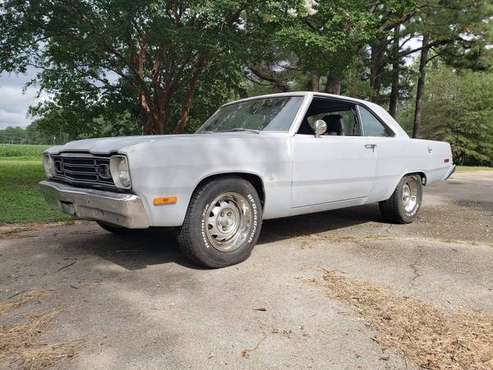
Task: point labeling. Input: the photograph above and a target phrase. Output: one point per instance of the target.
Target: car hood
(123, 144)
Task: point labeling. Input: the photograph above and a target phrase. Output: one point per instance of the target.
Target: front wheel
(222, 223)
(403, 206)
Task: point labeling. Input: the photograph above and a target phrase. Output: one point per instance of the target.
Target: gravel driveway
(339, 290)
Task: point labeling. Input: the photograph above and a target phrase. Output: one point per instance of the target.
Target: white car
(258, 158)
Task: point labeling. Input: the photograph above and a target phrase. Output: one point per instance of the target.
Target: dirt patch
(424, 334)
(337, 238)
(19, 345)
(13, 231)
(480, 206)
(459, 223)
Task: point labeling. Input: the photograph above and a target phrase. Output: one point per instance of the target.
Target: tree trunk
(147, 126)
(145, 114)
(185, 110)
(396, 64)
(376, 69)
(333, 85)
(315, 82)
(421, 85)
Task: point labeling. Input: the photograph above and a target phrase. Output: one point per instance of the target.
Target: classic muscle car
(254, 159)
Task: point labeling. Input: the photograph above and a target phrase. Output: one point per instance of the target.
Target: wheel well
(255, 180)
(422, 175)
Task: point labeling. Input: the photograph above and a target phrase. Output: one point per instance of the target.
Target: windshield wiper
(244, 130)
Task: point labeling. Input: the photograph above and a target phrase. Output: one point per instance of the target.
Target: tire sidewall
(406, 216)
(203, 250)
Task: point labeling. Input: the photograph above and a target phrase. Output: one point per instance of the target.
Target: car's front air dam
(120, 209)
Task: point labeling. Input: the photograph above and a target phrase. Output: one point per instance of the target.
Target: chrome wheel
(228, 221)
(410, 194)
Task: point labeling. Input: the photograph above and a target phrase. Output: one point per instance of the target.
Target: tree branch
(279, 84)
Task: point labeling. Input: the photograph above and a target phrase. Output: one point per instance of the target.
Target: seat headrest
(334, 124)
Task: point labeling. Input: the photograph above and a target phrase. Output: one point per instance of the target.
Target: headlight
(120, 171)
(49, 165)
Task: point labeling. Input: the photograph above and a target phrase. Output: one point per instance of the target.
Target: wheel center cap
(225, 222)
(227, 219)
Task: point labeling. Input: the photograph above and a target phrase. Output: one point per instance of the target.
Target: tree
(458, 108)
(321, 45)
(453, 27)
(150, 55)
(456, 28)
(396, 68)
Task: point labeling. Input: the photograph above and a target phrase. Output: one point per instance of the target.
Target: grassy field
(473, 168)
(20, 200)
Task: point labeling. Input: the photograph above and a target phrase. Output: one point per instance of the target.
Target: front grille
(83, 170)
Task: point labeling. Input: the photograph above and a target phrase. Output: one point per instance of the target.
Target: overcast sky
(14, 102)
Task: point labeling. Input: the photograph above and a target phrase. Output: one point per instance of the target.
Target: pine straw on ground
(18, 341)
(424, 334)
(21, 299)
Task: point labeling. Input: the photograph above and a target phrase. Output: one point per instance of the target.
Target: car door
(392, 154)
(331, 171)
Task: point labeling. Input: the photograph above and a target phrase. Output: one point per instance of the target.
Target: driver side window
(340, 116)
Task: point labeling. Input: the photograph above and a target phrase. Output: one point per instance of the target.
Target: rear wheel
(403, 206)
(222, 224)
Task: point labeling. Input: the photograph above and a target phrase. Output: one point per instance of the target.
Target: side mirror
(319, 127)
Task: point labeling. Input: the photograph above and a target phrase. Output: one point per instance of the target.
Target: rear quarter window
(372, 125)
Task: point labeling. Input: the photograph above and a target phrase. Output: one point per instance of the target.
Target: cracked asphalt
(136, 303)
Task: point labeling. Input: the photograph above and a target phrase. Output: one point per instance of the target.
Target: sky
(14, 101)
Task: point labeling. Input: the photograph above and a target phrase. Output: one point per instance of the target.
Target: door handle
(370, 146)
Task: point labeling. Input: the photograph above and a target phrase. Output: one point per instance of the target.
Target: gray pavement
(137, 303)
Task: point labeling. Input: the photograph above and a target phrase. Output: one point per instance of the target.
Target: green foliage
(122, 67)
(330, 38)
(142, 60)
(458, 108)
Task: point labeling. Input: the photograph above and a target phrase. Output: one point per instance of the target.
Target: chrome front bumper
(91, 204)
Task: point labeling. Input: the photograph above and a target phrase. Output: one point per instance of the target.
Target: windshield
(268, 114)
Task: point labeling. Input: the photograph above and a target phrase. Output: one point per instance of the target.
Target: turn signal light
(159, 201)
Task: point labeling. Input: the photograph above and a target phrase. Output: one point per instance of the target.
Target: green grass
(21, 152)
(21, 169)
(473, 168)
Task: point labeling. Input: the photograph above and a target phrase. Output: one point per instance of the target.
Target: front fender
(177, 167)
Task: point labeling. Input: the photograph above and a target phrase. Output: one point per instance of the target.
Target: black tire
(195, 241)
(115, 229)
(394, 209)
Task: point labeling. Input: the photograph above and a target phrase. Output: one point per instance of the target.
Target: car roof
(301, 93)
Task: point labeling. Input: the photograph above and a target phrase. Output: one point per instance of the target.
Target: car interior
(341, 118)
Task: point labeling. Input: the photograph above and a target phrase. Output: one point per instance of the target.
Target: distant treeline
(30, 135)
